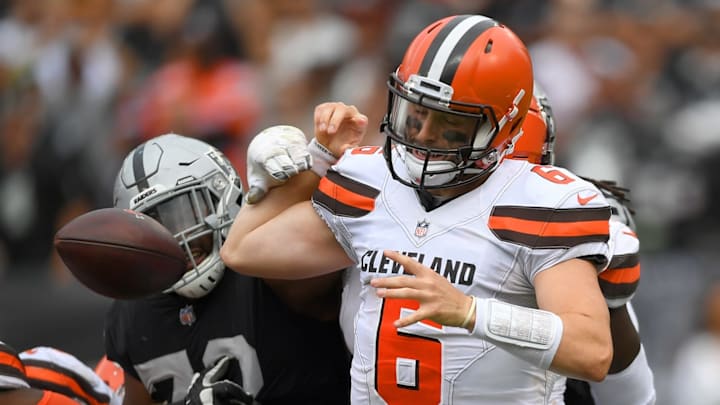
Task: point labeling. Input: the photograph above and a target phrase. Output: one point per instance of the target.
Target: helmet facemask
(462, 133)
(191, 189)
(194, 215)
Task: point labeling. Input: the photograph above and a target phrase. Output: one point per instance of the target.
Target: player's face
(200, 249)
(184, 216)
(437, 130)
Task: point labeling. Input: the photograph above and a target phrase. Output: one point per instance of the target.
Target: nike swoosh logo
(585, 200)
(188, 163)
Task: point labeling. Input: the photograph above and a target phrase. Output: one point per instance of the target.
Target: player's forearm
(21, 396)
(626, 340)
(236, 246)
(573, 345)
(586, 350)
(32, 396)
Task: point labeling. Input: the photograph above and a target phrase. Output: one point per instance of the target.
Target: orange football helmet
(465, 82)
(537, 142)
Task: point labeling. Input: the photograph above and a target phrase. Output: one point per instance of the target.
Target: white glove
(211, 387)
(274, 155)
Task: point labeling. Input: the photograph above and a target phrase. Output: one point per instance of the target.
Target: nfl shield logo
(421, 228)
(187, 315)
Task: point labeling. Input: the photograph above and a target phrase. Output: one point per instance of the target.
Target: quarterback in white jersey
(517, 225)
(634, 384)
(478, 274)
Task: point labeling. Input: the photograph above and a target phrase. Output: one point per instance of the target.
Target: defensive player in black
(287, 342)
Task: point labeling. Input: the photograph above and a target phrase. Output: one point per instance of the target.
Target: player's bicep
(295, 244)
(571, 287)
(570, 290)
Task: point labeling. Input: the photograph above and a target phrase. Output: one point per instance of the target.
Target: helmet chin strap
(512, 111)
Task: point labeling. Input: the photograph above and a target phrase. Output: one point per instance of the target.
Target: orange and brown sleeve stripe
(622, 276)
(540, 227)
(10, 363)
(49, 376)
(344, 196)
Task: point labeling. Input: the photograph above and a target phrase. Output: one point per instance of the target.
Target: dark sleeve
(115, 334)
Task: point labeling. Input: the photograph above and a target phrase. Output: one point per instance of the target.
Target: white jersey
(620, 280)
(490, 242)
(12, 370)
(57, 371)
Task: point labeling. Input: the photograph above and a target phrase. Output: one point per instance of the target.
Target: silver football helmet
(619, 209)
(192, 189)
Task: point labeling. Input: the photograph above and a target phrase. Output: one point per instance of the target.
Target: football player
(47, 376)
(257, 338)
(630, 379)
(478, 273)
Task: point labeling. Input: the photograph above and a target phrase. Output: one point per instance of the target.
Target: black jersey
(285, 358)
(577, 392)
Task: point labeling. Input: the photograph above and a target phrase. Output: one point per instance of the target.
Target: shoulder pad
(365, 164)
(547, 207)
(554, 187)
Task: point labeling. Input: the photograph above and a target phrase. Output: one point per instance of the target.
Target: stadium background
(634, 84)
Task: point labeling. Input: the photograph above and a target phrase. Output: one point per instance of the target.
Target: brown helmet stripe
(462, 46)
(450, 44)
(437, 41)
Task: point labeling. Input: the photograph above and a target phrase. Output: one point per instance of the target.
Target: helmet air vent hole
(431, 28)
(488, 46)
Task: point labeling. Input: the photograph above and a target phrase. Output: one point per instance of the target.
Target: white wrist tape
(531, 334)
(321, 156)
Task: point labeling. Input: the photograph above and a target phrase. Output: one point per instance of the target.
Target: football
(120, 253)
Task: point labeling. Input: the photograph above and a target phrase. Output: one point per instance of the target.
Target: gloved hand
(210, 387)
(273, 156)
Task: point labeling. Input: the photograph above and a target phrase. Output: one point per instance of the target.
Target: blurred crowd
(634, 85)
